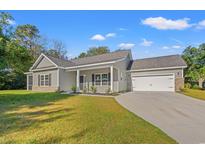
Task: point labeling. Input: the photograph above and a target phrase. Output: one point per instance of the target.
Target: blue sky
(147, 33)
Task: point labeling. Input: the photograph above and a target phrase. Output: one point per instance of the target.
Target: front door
(82, 82)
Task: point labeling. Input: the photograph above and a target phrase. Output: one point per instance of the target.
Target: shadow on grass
(11, 121)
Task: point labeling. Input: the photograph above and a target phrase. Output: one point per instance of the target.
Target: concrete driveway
(179, 116)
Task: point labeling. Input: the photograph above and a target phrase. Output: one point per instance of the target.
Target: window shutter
(109, 78)
(49, 82)
(39, 80)
(93, 79)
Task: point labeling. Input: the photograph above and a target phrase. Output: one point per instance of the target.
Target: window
(44, 80)
(98, 79)
(104, 79)
(101, 79)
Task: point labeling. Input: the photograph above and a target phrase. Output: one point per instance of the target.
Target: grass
(196, 93)
(29, 117)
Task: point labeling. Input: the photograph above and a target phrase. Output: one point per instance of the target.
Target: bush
(187, 85)
(108, 91)
(93, 89)
(84, 90)
(195, 86)
(74, 88)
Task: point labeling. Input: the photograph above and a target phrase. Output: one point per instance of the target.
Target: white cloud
(171, 47)
(201, 25)
(165, 47)
(126, 45)
(176, 46)
(11, 22)
(98, 37)
(146, 43)
(161, 23)
(110, 35)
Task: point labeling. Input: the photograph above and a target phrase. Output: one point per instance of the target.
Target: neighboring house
(115, 72)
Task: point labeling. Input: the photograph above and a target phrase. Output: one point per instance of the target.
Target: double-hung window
(101, 79)
(44, 80)
(104, 79)
(98, 79)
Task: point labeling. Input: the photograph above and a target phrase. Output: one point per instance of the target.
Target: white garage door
(153, 83)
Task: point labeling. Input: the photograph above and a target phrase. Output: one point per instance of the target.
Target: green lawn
(196, 93)
(29, 117)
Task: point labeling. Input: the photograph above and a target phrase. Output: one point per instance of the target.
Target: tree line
(19, 48)
(195, 71)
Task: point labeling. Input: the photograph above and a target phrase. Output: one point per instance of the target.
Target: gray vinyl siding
(45, 63)
(122, 70)
(53, 77)
(66, 80)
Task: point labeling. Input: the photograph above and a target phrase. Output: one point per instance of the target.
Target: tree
(28, 36)
(82, 55)
(5, 33)
(195, 59)
(94, 51)
(57, 49)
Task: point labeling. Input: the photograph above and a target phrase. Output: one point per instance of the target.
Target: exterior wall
(45, 63)
(122, 74)
(66, 80)
(179, 80)
(54, 85)
(179, 83)
(100, 88)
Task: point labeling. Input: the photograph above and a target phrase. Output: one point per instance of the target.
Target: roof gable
(44, 63)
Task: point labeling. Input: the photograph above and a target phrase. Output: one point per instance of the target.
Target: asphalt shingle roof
(108, 57)
(157, 62)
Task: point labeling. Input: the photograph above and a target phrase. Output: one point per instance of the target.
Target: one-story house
(114, 71)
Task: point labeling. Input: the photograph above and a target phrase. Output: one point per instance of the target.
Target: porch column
(111, 78)
(78, 81)
(27, 82)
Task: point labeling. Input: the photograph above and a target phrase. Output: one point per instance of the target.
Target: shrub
(74, 88)
(195, 86)
(84, 90)
(187, 85)
(108, 91)
(93, 89)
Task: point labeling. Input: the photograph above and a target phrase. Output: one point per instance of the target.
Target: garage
(164, 82)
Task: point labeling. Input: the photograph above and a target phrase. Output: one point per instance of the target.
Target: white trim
(78, 80)
(39, 58)
(88, 65)
(27, 81)
(101, 81)
(157, 74)
(58, 78)
(89, 68)
(44, 69)
(182, 73)
(44, 74)
(111, 78)
(160, 68)
(28, 73)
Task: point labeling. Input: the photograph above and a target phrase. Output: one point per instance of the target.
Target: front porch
(104, 79)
